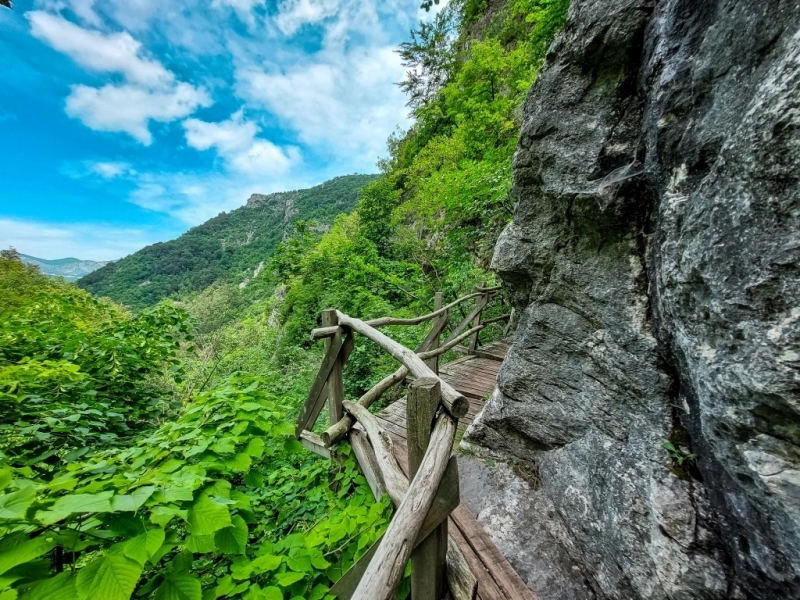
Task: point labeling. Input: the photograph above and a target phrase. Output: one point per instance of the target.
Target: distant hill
(231, 246)
(70, 269)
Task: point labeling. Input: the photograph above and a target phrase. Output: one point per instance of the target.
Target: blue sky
(125, 122)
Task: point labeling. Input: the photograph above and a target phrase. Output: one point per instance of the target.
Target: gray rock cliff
(654, 262)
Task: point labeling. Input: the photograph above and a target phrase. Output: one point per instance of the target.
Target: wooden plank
(319, 390)
(503, 574)
(487, 587)
(392, 429)
(335, 381)
(311, 441)
(482, 353)
(428, 559)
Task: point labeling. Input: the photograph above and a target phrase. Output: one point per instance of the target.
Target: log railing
(418, 530)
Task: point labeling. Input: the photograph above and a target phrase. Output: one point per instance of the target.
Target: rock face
(654, 260)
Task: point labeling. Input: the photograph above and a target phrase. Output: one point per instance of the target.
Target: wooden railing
(418, 529)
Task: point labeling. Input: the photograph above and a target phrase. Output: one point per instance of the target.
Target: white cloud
(243, 8)
(87, 241)
(235, 141)
(114, 53)
(346, 103)
(130, 108)
(150, 93)
(293, 14)
(109, 169)
(233, 135)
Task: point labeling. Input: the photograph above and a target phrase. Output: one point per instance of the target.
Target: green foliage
(76, 372)
(678, 455)
(101, 497)
(228, 247)
(206, 501)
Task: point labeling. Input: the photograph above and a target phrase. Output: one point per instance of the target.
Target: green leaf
(267, 562)
(16, 504)
(5, 477)
(233, 539)
(284, 428)
(255, 447)
(144, 546)
(226, 445)
(26, 551)
(75, 503)
(206, 516)
(292, 445)
(180, 587)
(132, 502)
(300, 564)
(287, 579)
(60, 587)
(112, 577)
(239, 463)
(271, 593)
(200, 544)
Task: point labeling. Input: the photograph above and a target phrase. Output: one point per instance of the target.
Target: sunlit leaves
(15, 504)
(232, 539)
(207, 516)
(112, 577)
(180, 587)
(144, 546)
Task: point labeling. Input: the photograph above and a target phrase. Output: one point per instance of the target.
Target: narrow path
(475, 377)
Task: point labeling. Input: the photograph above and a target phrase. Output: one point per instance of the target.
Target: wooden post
(481, 303)
(335, 380)
(433, 363)
(428, 559)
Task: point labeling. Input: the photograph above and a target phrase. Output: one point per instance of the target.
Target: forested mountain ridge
(229, 247)
(70, 269)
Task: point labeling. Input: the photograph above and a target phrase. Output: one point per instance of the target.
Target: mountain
(70, 269)
(231, 246)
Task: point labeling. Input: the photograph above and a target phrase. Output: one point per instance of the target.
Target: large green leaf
(288, 578)
(271, 593)
(239, 463)
(233, 539)
(26, 551)
(255, 447)
(144, 546)
(132, 502)
(206, 516)
(180, 587)
(113, 577)
(75, 503)
(5, 477)
(15, 505)
(200, 544)
(60, 587)
(266, 562)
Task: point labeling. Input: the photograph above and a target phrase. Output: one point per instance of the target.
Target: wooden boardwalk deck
(475, 377)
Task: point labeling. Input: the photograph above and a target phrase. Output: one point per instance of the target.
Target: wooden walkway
(475, 377)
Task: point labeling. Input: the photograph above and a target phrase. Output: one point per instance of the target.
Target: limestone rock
(654, 260)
